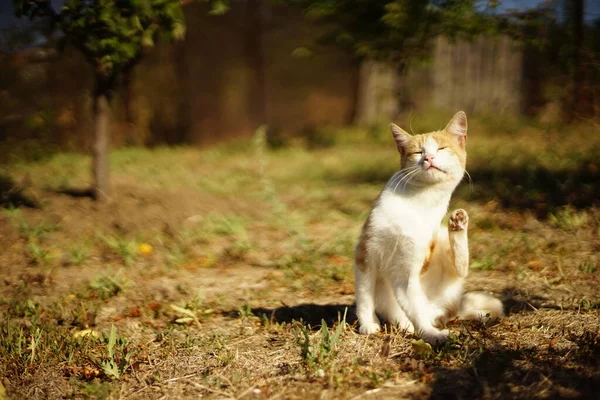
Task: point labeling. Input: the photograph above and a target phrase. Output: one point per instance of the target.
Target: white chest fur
(414, 216)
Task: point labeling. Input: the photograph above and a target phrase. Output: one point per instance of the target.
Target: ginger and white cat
(408, 269)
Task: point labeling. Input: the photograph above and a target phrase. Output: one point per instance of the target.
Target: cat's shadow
(310, 314)
(515, 301)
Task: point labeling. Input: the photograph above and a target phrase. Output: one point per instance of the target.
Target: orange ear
(400, 136)
(458, 127)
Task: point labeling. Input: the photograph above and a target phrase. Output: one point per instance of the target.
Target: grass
(235, 273)
(108, 286)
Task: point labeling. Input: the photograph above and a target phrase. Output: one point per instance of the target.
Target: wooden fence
(484, 75)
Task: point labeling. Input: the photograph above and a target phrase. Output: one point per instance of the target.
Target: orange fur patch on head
(442, 138)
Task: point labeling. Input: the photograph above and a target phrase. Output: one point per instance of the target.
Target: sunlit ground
(217, 267)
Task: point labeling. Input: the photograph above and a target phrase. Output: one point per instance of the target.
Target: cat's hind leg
(364, 283)
(478, 305)
(387, 306)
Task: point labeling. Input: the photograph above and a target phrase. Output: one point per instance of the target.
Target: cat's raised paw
(369, 328)
(459, 220)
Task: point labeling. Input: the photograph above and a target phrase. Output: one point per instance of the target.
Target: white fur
(402, 225)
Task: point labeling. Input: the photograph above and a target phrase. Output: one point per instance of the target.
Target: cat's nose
(428, 158)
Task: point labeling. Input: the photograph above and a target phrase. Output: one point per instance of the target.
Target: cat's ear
(458, 127)
(400, 136)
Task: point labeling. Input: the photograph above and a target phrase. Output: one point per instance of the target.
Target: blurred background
(298, 66)
(248, 141)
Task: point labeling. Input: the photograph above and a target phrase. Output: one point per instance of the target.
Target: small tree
(112, 35)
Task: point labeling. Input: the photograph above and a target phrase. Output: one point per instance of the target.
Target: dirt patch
(241, 293)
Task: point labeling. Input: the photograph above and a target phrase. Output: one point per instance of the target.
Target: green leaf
(219, 7)
(111, 369)
(178, 31)
(421, 348)
(135, 23)
(112, 340)
(302, 52)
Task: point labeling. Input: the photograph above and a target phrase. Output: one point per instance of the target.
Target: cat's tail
(477, 305)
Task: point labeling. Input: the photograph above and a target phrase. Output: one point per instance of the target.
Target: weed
(96, 390)
(230, 226)
(187, 315)
(108, 286)
(78, 254)
(484, 264)
(26, 230)
(568, 218)
(376, 379)
(192, 311)
(318, 352)
(177, 256)
(588, 267)
(119, 355)
(126, 249)
(589, 305)
(39, 254)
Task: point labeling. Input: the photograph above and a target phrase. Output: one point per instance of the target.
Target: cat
(408, 269)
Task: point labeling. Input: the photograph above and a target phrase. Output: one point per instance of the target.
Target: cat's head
(434, 157)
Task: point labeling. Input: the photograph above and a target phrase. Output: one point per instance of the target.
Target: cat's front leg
(364, 283)
(419, 310)
(459, 243)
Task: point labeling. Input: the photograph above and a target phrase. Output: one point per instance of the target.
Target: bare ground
(221, 292)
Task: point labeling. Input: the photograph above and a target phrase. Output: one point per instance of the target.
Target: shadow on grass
(76, 192)
(515, 301)
(13, 196)
(309, 314)
(531, 187)
(536, 188)
(523, 370)
(531, 372)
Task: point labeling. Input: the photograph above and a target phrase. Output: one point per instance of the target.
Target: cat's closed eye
(443, 148)
(416, 152)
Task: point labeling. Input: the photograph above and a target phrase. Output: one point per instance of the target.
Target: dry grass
(226, 273)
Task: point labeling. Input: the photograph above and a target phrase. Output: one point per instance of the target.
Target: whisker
(392, 180)
(406, 177)
(409, 177)
(395, 177)
(471, 190)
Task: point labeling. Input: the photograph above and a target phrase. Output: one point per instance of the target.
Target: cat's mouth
(431, 166)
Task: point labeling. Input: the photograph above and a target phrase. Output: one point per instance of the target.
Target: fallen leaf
(86, 333)
(534, 265)
(145, 249)
(134, 312)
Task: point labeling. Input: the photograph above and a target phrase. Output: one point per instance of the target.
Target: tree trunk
(578, 72)
(376, 99)
(101, 141)
(354, 93)
(256, 61)
(131, 138)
